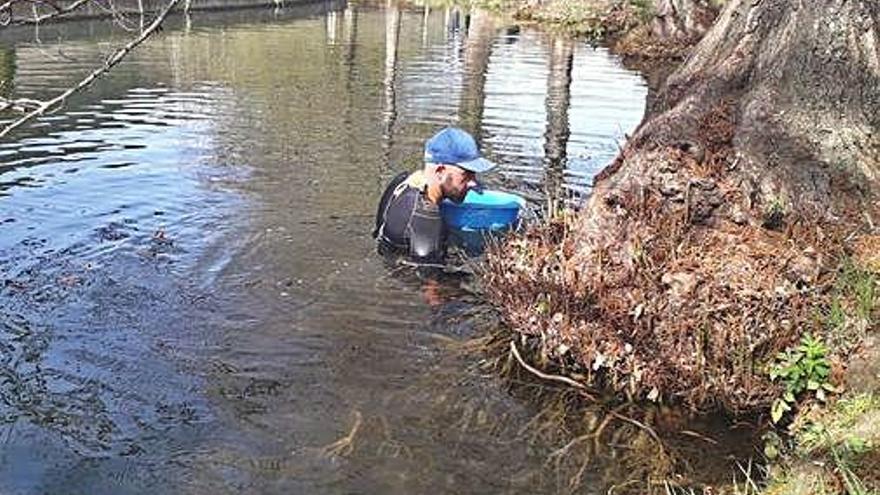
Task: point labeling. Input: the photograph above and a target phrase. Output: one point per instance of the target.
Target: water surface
(191, 302)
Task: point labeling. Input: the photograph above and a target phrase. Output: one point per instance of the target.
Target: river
(191, 300)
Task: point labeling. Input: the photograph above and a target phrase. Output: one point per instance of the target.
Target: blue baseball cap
(454, 146)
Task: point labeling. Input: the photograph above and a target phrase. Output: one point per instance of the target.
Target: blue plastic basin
(489, 210)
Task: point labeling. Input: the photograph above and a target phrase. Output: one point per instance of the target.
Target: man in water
(408, 219)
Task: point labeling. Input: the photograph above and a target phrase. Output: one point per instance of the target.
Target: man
(408, 219)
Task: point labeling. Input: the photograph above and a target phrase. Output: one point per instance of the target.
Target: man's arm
(427, 234)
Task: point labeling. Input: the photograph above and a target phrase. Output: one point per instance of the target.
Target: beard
(458, 198)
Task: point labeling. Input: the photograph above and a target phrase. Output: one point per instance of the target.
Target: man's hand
(432, 292)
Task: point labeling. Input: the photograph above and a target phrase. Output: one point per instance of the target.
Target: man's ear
(439, 169)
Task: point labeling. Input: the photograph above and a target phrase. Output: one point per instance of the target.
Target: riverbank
(640, 29)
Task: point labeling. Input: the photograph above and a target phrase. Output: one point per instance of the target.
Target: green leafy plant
(774, 214)
(804, 368)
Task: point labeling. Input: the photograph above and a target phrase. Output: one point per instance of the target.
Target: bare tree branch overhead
(9, 18)
(35, 108)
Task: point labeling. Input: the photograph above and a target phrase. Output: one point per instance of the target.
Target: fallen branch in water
(345, 445)
(546, 376)
(108, 64)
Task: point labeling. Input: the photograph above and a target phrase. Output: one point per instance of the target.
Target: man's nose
(473, 185)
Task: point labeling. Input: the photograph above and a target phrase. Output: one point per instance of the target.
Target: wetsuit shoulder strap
(394, 188)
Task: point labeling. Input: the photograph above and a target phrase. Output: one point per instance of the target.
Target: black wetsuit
(407, 222)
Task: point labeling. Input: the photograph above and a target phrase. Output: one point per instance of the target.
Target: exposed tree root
(639, 424)
(546, 376)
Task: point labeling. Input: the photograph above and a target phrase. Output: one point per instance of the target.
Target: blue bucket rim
(509, 201)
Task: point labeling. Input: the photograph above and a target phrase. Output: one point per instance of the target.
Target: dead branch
(108, 64)
(119, 17)
(7, 6)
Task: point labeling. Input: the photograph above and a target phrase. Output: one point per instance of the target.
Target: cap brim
(478, 166)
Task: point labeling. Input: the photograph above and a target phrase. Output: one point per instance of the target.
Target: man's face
(455, 182)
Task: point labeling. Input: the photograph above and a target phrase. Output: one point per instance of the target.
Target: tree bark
(799, 85)
(7, 72)
(681, 19)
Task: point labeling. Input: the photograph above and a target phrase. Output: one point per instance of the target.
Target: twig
(54, 5)
(622, 485)
(546, 376)
(108, 64)
(575, 481)
(119, 17)
(5, 6)
(694, 434)
(8, 4)
(561, 451)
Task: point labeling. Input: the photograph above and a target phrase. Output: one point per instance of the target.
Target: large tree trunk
(706, 246)
(784, 94)
(682, 19)
(7, 72)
